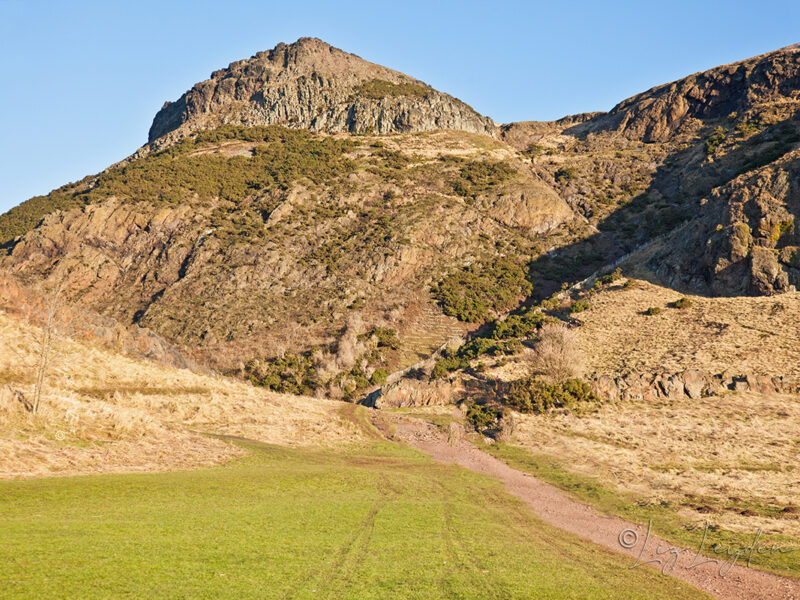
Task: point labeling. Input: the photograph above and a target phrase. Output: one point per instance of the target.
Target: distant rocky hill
(313, 85)
(314, 221)
(744, 88)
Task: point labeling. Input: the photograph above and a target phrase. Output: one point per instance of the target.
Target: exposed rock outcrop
(655, 115)
(412, 392)
(312, 85)
(691, 383)
(744, 240)
(131, 340)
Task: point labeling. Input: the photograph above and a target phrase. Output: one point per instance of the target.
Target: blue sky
(82, 80)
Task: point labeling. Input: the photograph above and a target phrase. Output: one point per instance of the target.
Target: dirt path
(713, 575)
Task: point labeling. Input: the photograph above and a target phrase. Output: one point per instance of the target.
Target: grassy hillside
(377, 522)
(689, 332)
(102, 411)
(262, 251)
(657, 464)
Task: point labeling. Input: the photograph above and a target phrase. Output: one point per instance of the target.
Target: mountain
(714, 153)
(310, 84)
(313, 221)
(745, 88)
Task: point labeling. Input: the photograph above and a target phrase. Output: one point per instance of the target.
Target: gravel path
(713, 575)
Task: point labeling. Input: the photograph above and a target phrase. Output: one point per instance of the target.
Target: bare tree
(51, 317)
(557, 355)
(46, 350)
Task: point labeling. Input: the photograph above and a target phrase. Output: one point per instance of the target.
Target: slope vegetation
(102, 411)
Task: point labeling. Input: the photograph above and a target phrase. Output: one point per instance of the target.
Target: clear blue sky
(82, 80)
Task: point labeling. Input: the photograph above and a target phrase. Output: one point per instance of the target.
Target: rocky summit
(312, 85)
(314, 221)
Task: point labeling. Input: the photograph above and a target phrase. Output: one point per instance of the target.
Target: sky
(82, 80)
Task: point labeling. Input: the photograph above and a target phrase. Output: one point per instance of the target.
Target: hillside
(312, 85)
(106, 412)
(244, 244)
(266, 234)
(715, 149)
(607, 302)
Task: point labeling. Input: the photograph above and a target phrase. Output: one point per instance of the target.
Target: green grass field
(376, 521)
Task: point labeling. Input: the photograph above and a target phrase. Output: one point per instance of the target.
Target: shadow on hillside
(671, 200)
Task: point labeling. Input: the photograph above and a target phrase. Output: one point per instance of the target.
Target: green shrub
(385, 336)
(494, 285)
(291, 374)
(482, 416)
(653, 310)
(715, 139)
(175, 175)
(375, 89)
(747, 128)
(580, 306)
(479, 176)
(378, 377)
(535, 150)
(615, 275)
(482, 346)
(682, 303)
(532, 395)
(520, 325)
(565, 174)
(444, 366)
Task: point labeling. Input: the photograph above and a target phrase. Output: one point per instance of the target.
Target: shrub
(479, 176)
(375, 89)
(557, 355)
(481, 346)
(444, 366)
(378, 377)
(291, 374)
(747, 128)
(482, 416)
(532, 395)
(615, 275)
(580, 306)
(474, 348)
(386, 337)
(176, 175)
(714, 141)
(682, 303)
(535, 150)
(519, 325)
(653, 310)
(565, 174)
(495, 285)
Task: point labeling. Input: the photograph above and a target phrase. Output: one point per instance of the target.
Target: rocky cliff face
(312, 85)
(657, 114)
(744, 241)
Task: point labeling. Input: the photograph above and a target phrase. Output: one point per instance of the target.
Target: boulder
(694, 382)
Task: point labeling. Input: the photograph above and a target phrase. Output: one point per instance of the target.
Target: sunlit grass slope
(375, 522)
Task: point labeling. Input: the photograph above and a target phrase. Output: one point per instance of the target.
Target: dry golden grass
(432, 144)
(106, 412)
(724, 455)
(739, 450)
(713, 334)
